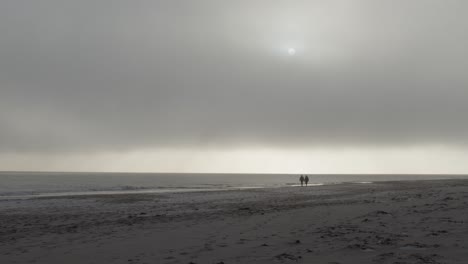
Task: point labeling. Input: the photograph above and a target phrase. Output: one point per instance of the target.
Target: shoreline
(163, 190)
(382, 222)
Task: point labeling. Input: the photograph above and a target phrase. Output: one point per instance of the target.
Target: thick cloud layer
(110, 75)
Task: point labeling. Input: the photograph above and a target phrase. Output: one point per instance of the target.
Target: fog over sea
(27, 184)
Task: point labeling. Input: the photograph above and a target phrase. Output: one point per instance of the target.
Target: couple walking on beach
(304, 180)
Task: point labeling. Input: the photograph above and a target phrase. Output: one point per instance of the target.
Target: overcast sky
(373, 86)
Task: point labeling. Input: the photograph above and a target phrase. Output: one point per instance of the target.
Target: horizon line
(231, 173)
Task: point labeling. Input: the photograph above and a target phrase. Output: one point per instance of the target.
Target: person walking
(306, 179)
(302, 180)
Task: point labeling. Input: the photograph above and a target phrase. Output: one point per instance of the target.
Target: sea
(30, 184)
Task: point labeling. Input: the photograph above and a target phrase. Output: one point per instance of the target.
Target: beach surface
(381, 222)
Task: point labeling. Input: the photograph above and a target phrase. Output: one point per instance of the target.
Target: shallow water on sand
(71, 183)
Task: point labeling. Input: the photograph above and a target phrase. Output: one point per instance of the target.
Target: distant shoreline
(24, 185)
(227, 173)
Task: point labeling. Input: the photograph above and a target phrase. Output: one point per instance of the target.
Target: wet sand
(385, 222)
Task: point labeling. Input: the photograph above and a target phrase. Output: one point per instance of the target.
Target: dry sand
(390, 222)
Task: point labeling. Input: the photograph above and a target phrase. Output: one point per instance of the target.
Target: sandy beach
(386, 222)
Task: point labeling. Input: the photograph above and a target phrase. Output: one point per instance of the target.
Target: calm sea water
(66, 183)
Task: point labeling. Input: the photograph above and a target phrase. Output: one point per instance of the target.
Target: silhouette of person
(306, 179)
(302, 180)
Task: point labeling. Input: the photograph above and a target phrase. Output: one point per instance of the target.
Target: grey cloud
(106, 75)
